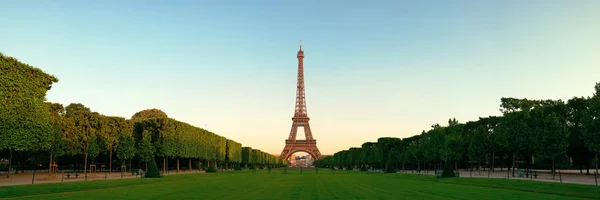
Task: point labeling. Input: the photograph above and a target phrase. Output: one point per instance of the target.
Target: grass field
(308, 185)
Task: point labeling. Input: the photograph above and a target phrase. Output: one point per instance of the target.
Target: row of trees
(255, 158)
(37, 130)
(530, 133)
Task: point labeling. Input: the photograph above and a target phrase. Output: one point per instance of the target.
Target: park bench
(440, 172)
(532, 173)
(71, 171)
(137, 172)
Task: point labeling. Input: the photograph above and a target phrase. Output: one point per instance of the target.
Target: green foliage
(233, 152)
(478, 145)
(448, 171)
(144, 148)
(551, 135)
(365, 152)
(211, 168)
(591, 135)
(126, 148)
(149, 114)
(57, 112)
(77, 128)
(246, 155)
(354, 156)
(375, 157)
(392, 159)
(363, 168)
(153, 171)
(24, 123)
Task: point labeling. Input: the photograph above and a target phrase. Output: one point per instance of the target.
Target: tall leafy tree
(576, 114)
(77, 130)
(126, 149)
(149, 114)
(111, 129)
(478, 148)
(25, 125)
(57, 112)
(551, 136)
(365, 152)
(246, 156)
(591, 135)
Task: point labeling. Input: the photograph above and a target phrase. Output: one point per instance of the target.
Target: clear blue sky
(383, 68)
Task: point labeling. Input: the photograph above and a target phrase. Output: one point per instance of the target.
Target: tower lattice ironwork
(300, 119)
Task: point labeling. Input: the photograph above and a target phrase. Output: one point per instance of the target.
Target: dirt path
(42, 177)
(568, 176)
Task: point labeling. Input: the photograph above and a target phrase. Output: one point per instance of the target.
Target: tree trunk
(190, 164)
(165, 165)
(85, 163)
(50, 166)
(146, 166)
(513, 164)
(402, 166)
(110, 161)
(129, 165)
(588, 166)
(596, 176)
(456, 165)
(9, 162)
(493, 160)
(177, 166)
(553, 173)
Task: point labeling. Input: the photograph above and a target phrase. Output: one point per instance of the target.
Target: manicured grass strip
(293, 185)
(565, 189)
(49, 188)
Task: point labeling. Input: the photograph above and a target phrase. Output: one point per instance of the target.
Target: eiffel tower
(300, 119)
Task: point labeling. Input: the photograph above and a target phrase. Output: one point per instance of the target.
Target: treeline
(529, 134)
(40, 133)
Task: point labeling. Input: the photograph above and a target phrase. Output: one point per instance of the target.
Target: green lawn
(309, 185)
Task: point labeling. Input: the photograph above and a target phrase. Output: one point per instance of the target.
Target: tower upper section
(300, 52)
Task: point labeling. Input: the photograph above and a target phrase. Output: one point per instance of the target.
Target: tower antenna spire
(300, 44)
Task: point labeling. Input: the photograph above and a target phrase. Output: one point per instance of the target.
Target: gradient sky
(383, 68)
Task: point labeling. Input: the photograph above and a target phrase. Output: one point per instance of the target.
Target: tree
(144, 148)
(576, 108)
(375, 157)
(25, 125)
(94, 147)
(354, 156)
(111, 129)
(478, 145)
(385, 144)
(591, 135)
(152, 171)
(126, 149)
(453, 147)
(448, 171)
(392, 159)
(551, 136)
(365, 152)
(57, 112)
(149, 114)
(246, 156)
(77, 130)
